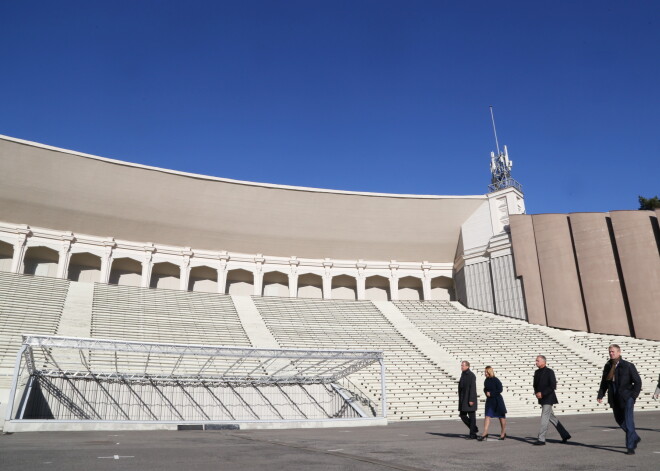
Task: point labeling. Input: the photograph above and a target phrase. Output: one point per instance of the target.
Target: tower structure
(500, 169)
(500, 166)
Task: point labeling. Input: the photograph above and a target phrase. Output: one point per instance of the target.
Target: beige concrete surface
(601, 285)
(640, 263)
(561, 285)
(65, 190)
(527, 266)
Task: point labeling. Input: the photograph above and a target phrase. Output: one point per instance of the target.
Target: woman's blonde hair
(490, 372)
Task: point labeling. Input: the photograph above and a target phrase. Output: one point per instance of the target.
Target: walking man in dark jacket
(623, 385)
(545, 384)
(467, 398)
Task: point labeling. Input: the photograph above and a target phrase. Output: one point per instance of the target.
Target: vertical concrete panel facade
(527, 266)
(559, 276)
(459, 283)
(601, 286)
(479, 286)
(657, 228)
(640, 264)
(507, 288)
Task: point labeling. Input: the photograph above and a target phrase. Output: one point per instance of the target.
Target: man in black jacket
(623, 385)
(467, 398)
(545, 384)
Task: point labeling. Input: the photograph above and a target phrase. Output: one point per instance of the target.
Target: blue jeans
(624, 417)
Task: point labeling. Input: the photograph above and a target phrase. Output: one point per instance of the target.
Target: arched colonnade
(91, 259)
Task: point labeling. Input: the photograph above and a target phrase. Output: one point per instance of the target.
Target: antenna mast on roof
(500, 166)
(492, 118)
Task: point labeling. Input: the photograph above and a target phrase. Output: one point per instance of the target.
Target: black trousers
(470, 419)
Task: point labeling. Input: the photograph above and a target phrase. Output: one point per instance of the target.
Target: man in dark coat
(467, 398)
(623, 385)
(545, 384)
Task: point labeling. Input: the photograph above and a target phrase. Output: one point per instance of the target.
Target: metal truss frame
(107, 360)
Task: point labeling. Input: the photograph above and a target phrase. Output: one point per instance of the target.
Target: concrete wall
(65, 190)
(561, 284)
(479, 286)
(640, 264)
(527, 267)
(601, 285)
(507, 289)
(483, 267)
(491, 285)
(591, 271)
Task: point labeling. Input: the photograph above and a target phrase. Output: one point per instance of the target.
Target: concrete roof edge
(228, 180)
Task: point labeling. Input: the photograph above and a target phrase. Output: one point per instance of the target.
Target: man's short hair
(542, 356)
(615, 346)
(467, 363)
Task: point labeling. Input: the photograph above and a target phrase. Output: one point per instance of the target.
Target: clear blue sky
(359, 95)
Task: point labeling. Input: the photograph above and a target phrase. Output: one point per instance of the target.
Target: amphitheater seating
(416, 387)
(644, 354)
(510, 347)
(28, 304)
(163, 316)
(168, 316)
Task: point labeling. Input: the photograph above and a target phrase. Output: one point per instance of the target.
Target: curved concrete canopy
(66, 190)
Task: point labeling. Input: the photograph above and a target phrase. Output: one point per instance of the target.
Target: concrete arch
(125, 271)
(6, 256)
(344, 287)
(203, 279)
(377, 288)
(442, 288)
(240, 282)
(275, 284)
(310, 286)
(40, 261)
(410, 288)
(165, 275)
(85, 267)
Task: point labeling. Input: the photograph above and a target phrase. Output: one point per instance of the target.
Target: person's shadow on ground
(449, 435)
(532, 440)
(656, 430)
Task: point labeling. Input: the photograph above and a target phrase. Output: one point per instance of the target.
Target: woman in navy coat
(495, 407)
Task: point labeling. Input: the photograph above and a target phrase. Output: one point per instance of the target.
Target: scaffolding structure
(81, 379)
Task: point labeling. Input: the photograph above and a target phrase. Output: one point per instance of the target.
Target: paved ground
(411, 446)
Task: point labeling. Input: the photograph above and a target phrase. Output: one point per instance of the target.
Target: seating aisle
(510, 347)
(420, 381)
(417, 388)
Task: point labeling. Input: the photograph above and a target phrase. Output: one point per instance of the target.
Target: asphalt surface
(412, 446)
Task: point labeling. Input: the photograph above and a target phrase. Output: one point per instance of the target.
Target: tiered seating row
(169, 316)
(417, 388)
(28, 305)
(166, 316)
(510, 347)
(645, 354)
